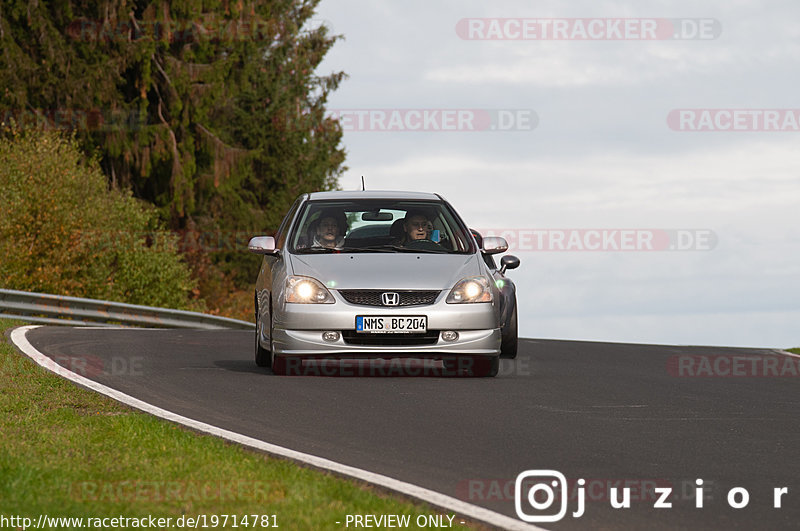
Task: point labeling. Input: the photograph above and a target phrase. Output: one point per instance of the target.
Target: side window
(280, 236)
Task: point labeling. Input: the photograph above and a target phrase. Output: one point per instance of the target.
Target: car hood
(387, 270)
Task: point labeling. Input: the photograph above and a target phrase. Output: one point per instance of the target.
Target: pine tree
(211, 110)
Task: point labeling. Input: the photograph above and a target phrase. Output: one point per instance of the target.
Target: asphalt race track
(616, 415)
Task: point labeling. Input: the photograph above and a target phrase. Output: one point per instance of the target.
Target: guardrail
(60, 309)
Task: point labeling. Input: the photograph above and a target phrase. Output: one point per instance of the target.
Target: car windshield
(379, 226)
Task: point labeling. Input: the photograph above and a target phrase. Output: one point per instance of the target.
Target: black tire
(485, 367)
(508, 346)
(263, 356)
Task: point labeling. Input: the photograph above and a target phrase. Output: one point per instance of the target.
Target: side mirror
(494, 245)
(508, 262)
(262, 245)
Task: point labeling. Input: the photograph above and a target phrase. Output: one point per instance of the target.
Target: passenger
(329, 230)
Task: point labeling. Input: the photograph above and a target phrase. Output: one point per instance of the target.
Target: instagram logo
(537, 494)
(534, 497)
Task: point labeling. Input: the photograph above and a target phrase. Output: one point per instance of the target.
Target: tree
(209, 109)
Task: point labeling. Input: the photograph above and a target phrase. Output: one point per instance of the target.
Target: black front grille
(372, 297)
(351, 337)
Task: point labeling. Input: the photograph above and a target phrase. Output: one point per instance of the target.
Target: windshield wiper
(370, 249)
(382, 248)
(367, 249)
(389, 248)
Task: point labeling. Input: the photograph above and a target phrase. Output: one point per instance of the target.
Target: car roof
(373, 194)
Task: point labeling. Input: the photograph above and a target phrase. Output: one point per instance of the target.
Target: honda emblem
(390, 298)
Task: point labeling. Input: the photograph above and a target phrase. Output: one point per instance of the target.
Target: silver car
(366, 276)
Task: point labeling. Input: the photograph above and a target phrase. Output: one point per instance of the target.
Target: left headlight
(472, 289)
(307, 290)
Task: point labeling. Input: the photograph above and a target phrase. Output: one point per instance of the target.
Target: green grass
(67, 451)
(794, 350)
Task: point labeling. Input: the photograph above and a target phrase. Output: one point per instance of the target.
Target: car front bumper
(298, 331)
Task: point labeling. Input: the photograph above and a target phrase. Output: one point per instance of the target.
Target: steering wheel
(425, 245)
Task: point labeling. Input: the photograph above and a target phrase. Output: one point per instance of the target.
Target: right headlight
(472, 289)
(307, 290)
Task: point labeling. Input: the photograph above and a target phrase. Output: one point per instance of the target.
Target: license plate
(384, 324)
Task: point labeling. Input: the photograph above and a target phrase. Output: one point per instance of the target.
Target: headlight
(473, 289)
(307, 290)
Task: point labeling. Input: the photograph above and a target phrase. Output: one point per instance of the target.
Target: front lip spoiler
(386, 356)
(309, 344)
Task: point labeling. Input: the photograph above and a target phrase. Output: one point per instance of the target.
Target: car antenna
(363, 188)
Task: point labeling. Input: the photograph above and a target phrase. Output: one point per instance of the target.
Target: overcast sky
(593, 149)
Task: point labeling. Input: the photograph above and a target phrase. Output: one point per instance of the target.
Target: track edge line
(436, 499)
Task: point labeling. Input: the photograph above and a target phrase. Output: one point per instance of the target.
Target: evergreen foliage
(209, 109)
